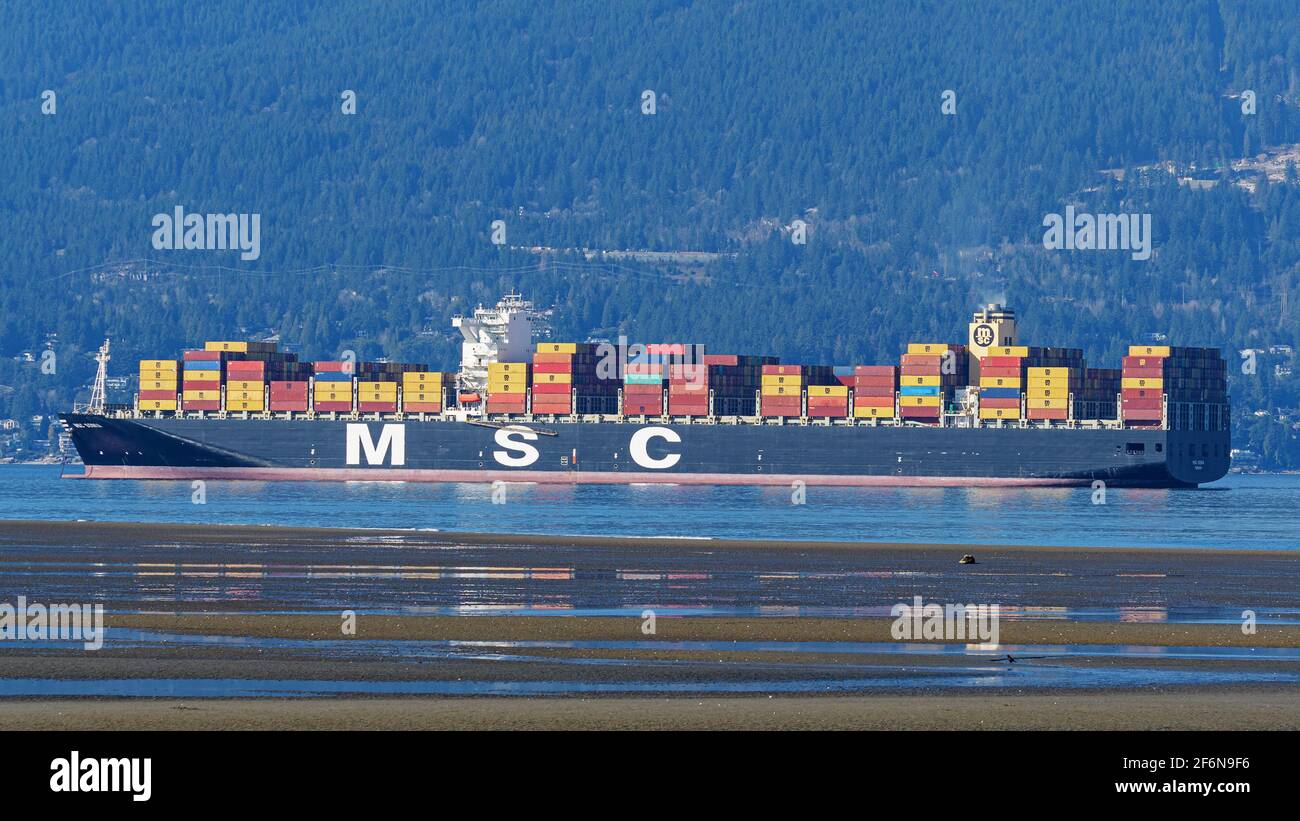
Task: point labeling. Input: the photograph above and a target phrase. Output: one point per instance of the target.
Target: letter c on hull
(528, 453)
(637, 447)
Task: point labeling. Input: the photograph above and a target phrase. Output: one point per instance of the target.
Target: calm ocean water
(1236, 512)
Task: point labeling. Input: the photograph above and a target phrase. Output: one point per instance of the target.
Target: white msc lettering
(637, 447)
(391, 438)
(528, 453)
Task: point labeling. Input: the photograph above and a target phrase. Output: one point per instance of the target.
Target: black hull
(605, 452)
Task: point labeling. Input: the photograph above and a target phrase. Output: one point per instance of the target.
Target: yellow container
(557, 347)
(999, 413)
(1148, 350)
(999, 382)
(158, 376)
(1056, 371)
(203, 376)
(504, 380)
(920, 381)
(1008, 350)
(157, 404)
(244, 405)
(1142, 382)
(828, 390)
(788, 380)
(876, 411)
(424, 396)
(245, 385)
(920, 401)
(332, 387)
(552, 378)
(1057, 402)
(237, 347)
(422, 376)
(927, 347)
(391, 387)
(1047, 393)
(507, 367)
(782, 390)
(158, 385)
(331, 396)
(157, 365)
(201, 395)
(246, 396)
(1047, 382)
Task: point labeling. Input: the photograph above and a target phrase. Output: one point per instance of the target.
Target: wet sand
(1235, 710)
(195, 603)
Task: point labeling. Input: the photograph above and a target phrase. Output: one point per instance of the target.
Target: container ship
(989, 411)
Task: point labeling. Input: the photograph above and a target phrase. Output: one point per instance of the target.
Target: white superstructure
(503, 333)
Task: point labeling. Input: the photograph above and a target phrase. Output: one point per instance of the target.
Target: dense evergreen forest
(375, 226)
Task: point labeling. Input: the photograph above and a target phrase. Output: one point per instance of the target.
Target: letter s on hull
(528, 453)
(637, 447)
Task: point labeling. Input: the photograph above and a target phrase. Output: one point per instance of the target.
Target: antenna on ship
(97, 391)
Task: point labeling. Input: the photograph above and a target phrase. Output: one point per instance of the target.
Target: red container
(287, 404)
(1142, 362)
(688, 389)
(780, 411)
(876, 381)
(922, 370)
(144, 395)
(200, 404)
(1143, 373)
(827, 401)
(1144, 404)
(381, 407)
(245, 365)
(642, 390)
(551, 389)
(435, 407)
(875, 371)
(552, 367)
(1047, 413)
(288, 387)
(333, 367)
(999, 402)
(920, 359)
(1142, 414)
(1140, 393)
(721, 359)
(884, 392)
(328, 407)
(873, 402)
(782, 370)
(643, 408)
(202, 356)
(847, 380)
(920, 411)
(827, 413)
(687, 408)
(987, 371)
(195, 385)
(1001, 362)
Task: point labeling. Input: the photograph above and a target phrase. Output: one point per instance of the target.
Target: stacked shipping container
(1184, 375)
(1006, 371)
(875, 388)
(782, 389)
(929, 372)
(507, 389)
(159, 384)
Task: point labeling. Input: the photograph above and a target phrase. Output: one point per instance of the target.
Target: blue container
(203, 365)
(333, 376)
(919, 390)
(1000, 393)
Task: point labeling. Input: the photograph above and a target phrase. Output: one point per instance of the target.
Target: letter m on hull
(391, 445)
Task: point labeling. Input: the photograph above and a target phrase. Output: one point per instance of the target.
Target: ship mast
(97, 391)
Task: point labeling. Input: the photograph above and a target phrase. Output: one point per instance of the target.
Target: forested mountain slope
(375, 226)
